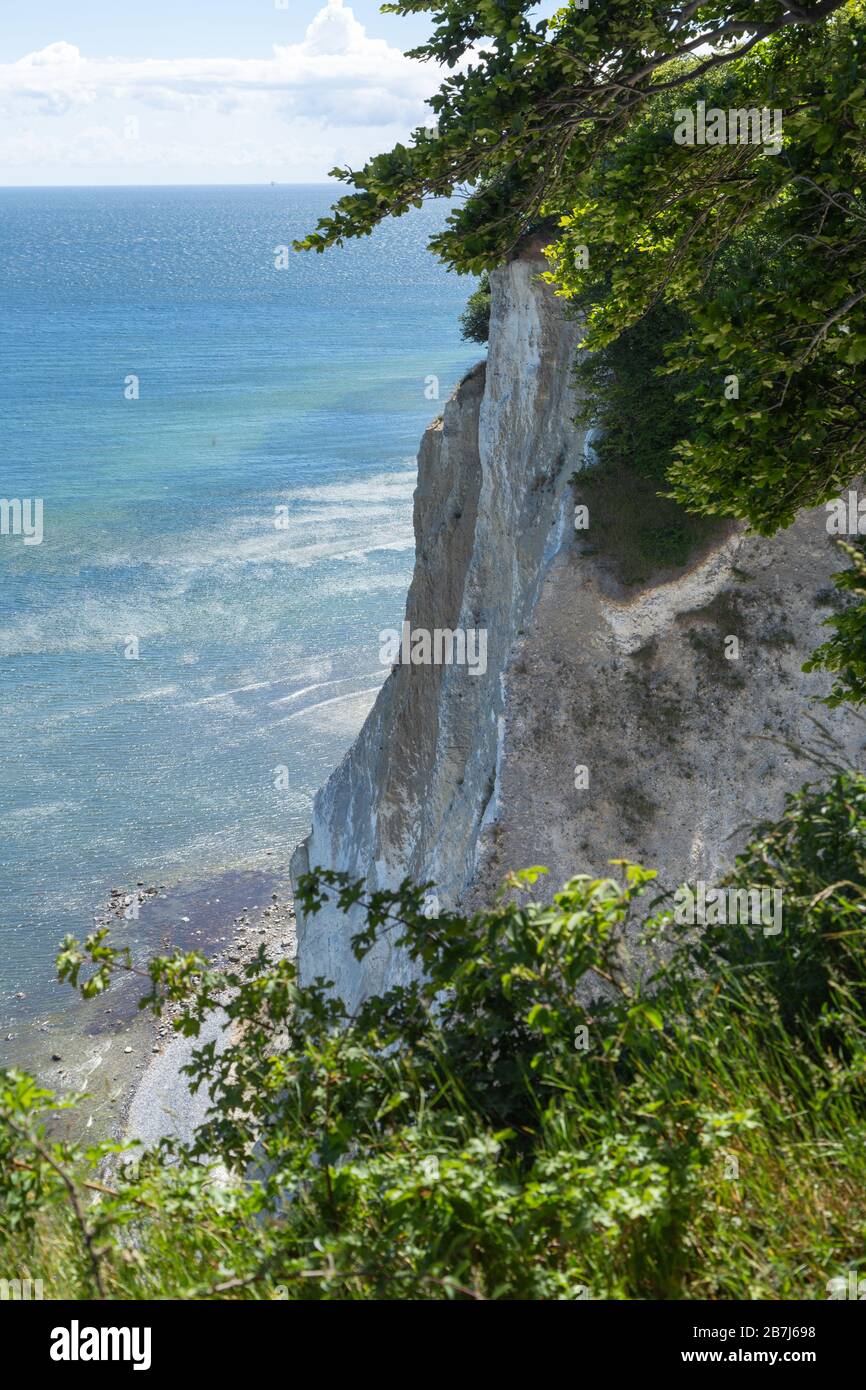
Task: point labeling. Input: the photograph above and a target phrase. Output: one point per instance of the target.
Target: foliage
(475, 319)
(532, 1118)
(636, 421)
(764, 254)
(845, 652)
(815, 856)
(528, 106)
(626, 400)
(535, 1116)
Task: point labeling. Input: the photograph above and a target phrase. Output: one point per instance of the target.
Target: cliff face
(458, 776)
(684, 749)
(412, 794)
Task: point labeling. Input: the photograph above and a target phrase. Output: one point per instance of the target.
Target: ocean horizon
(223, 439)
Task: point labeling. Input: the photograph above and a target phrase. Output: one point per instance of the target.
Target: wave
(321, 685)
(43, 812)
(335, 700)
(226, 694)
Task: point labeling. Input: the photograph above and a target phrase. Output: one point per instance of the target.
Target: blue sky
(181, 28)
(203, 91)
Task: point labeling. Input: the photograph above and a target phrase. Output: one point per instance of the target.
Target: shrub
(475, 319)
(540, 1115)
(844, 654)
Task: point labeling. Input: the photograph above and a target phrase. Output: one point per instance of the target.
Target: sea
(221, 435)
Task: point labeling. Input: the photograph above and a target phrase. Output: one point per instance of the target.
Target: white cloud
(55, 55)
(334, 98)
(337, 72)
(336, 30)
(302, 154)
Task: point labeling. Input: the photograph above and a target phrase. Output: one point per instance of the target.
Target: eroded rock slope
(459, 776)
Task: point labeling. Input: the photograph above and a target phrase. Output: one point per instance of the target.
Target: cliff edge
(461, 773)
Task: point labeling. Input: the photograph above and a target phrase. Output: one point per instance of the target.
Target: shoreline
(161, 1104)
(125, 1061)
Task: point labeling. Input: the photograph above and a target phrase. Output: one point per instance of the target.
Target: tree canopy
(575, 119)
(528, 107)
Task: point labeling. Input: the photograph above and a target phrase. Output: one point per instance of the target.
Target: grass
(644, 536)
(453, 1140)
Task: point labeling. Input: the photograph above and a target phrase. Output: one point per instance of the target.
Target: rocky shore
(126, 1062)
(160, 1103)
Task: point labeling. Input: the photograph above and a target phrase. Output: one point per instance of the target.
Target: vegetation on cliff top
(576, 118)
(750, 253)
(844, 654)
(475, 320)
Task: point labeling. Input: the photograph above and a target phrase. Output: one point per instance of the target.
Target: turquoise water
(301, 388)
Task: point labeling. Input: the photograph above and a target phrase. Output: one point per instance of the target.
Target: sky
(204, 91)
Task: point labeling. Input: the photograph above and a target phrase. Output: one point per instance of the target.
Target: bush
(845, 652)
(475, 319)
(637, 420)
(534, 1118)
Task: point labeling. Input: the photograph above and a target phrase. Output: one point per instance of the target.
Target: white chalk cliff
(458, 776)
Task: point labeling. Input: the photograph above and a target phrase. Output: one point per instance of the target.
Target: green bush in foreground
(534, 1119)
